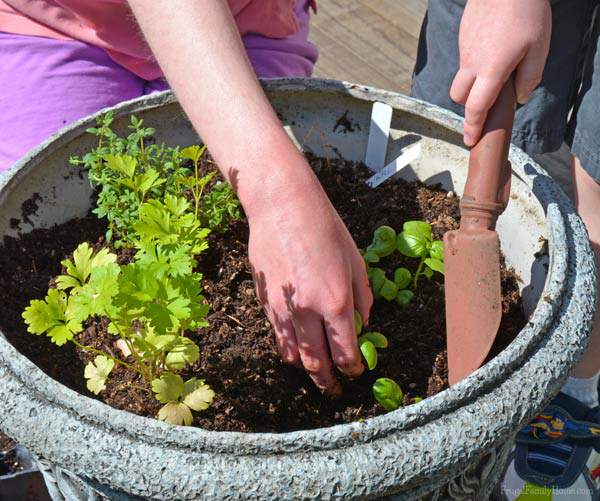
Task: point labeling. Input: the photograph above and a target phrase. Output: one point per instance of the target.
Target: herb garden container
(452, 445)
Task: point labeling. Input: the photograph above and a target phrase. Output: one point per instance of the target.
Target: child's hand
(497, 38)
(310, 277)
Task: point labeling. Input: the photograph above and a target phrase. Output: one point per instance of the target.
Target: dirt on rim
(255, 391)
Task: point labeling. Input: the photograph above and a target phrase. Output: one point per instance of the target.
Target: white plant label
(379, 131)
(409, 155)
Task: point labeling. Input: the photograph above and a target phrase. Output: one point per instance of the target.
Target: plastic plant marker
(381, 118)
(409, 155)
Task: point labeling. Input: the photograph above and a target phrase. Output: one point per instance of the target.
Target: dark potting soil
(255, 391)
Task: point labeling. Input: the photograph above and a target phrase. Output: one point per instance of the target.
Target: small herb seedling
(388, 393)
(416, 241)
(384, 244)
(144, 191)
(369, 342)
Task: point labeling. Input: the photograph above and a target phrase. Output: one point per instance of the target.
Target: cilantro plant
(150, 303)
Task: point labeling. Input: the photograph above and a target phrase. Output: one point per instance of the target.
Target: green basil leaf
(402, 278)
(378, 279)
(388, 290)
(388, 393)
(369, 352)
(371, 257)
(404, 297)
(358, 324)
(428, 272)
(384, 241)
(412, 245)
(437, 250)
(418, 228)
(378, 339)
(435, 265)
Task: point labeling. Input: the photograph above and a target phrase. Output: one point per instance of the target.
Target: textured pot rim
(559, 216)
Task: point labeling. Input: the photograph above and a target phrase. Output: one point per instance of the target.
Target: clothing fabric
(566, 105)
(109, 24)
(583, 389)
(48, 83)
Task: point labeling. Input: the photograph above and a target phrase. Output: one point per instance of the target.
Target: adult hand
(309, 277)
(309, 274)
(497, 38)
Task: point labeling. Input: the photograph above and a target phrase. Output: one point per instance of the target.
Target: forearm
(200, 52)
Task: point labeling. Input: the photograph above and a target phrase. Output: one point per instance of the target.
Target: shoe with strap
(557, 456)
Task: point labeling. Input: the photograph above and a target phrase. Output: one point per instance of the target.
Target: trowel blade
(473, 298)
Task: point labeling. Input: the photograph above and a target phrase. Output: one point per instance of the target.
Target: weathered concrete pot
(450, 445)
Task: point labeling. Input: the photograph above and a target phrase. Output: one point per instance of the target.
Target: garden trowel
(472, 253)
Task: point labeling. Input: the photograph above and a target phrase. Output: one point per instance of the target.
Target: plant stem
(417, 273)
(104, 354)
(196, 192)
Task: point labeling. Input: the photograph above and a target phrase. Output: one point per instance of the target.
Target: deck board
(372, 42)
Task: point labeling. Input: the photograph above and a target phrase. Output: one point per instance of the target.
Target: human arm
(308, 272)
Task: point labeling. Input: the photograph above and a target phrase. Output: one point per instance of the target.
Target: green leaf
(405, 297)
(378, 280)
(435, 265)
(185, 352)
(388, 290)
(370, 257)
(358, 324)
(437, 250)
(81, 265)
(415, 239)
(376, 338)
(198, 395)
(169, 388)
(96, 297)
(411, 245)
(148, 180)
(402, 278)
(428, 272)
(60, 334)
(192, 153)
(50, 316)
(65, 282)
(367, 348)
(96, 373)
(176, 414)
(384, 241)
(43, 315)
(78, 270)
(418, 228)
(124, 164)
(388, 393)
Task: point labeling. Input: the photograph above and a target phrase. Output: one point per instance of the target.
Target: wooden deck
(371, 42)
(374, 42)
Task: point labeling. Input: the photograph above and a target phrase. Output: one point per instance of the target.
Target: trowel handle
(488, 183)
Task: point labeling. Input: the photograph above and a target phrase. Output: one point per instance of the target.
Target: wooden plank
(368, 42)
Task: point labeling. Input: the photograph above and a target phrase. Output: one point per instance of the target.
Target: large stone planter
(451, 445)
